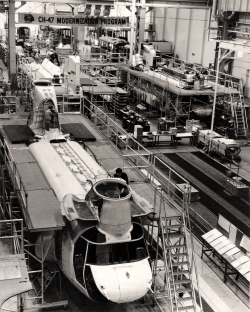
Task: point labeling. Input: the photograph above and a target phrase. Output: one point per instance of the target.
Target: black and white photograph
(125, 156)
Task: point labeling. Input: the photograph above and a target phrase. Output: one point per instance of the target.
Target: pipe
(214, 101)
(214, 10)
(209, 26)
(149, 9)
(79, 2)
(215, 94)
(230, 16)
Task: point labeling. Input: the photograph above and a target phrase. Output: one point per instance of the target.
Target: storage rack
(119, 101)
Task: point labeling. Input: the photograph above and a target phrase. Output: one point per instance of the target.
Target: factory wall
(241, 65)
(186, 28)
(241, 69)
(234, 5)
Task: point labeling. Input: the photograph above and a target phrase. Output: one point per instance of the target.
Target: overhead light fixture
(97, 10)
(88, 9)
(106, 11)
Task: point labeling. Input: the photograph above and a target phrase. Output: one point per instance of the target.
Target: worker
(53, 57)
(49, 115)
(190, 77)
(122, 175)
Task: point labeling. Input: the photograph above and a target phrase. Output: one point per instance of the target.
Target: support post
(215, 93)
(132, 36)
(214, 102)
(140, 26)
(12, 45)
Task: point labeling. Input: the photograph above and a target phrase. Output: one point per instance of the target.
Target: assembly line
(125, 168)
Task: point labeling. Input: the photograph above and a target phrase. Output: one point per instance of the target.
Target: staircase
(46, 284)
(238, 111)
(175, 264)
(240, 120)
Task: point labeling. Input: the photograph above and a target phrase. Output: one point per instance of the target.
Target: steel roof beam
(164, 5)
(73, 2)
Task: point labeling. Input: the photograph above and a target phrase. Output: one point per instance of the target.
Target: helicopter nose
(123, 282)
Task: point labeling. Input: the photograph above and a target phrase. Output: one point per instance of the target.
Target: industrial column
(140, 25)
(12, 45)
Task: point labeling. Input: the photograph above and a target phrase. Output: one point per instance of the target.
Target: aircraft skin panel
(81, 164)
(31, 177)
(55, 170)
(43, 211)
(66, 261)
(98, 171)
(123, 282)
(42, 92)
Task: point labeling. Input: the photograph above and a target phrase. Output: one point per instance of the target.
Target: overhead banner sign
(77, 20)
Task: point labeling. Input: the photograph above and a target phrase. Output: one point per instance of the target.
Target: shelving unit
(119, 101)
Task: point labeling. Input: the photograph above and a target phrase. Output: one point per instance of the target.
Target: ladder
(238, 110)
(175, 263)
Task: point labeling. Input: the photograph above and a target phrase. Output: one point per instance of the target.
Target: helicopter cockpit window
(100, 253)
(108, 254)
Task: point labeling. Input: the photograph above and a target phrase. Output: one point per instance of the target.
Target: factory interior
(125, 155)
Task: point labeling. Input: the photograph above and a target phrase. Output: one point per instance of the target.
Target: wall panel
(197, 26)
(185, 28)
(159, 21)
(234, 5)
(241, 67)
(182, 36)
(170, 25)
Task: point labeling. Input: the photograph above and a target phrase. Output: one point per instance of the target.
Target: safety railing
(9, 104)
(100, 73)
(135, 155)
(167, 177)
(70, 104)
(139, 158)
(101, 58)
(224, 80)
